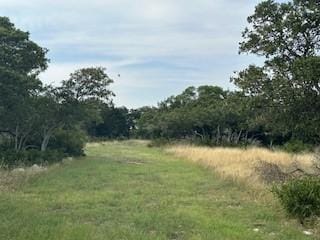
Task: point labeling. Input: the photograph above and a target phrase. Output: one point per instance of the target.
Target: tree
(31, 115)
(79, 100)
(116, 123)
(282, 32)
(206, 114)
(18, 53)
(287, 86)
(20, 63)
(53, 114)
(88, 84)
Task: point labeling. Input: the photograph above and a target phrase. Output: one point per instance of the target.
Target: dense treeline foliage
(276, 103)
(37, 122)
(41, 123)
(116, 123)
(287, 86)
(206, 114)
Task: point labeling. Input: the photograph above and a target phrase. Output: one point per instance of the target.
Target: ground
(129, 191)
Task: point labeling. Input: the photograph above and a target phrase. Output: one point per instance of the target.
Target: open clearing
(129, 191)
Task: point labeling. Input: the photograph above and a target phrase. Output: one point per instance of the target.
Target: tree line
(276, 103)
(40, 121)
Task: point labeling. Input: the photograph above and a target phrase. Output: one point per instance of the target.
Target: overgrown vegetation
(42, 124)
(253, 166)
(10, 159)
(300, 197)
(275, 105)
(125, 190)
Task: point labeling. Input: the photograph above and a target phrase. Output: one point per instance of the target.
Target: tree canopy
(288, 84)
(31, 114)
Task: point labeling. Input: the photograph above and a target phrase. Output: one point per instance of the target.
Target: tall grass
(241, 164)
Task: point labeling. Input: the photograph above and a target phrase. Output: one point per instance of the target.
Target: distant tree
(207, 113)
(88, 84)
(116, 123)
(79, 100)
(147, 119)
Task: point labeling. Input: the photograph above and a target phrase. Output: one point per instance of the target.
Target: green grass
(129, 191)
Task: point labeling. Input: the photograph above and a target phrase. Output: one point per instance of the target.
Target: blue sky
(159, 47)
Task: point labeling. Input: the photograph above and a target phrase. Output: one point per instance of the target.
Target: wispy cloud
(158, 46)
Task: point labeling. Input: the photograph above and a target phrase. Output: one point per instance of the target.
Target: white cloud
(169, 44)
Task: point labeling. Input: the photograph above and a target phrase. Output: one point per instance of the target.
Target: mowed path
(129, 191)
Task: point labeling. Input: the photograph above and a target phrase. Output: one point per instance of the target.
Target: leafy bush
(159, 142)
(64, 143)
(296, 146)
(70, 142)
(300, 197)
(12, 158)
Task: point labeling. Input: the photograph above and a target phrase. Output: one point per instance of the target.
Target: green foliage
(116, 123)
(296, 146)
(283, 31)
(32, 114)
(20, 64)
(159, 142)
(88, 84)
(286, 89)
(18, 53)
(70, 142)
(206, 115)
(278, 101)
(11, 158)
(300, 197)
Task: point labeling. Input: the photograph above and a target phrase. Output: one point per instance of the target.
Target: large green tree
(88, 84)
(79, 101)
(20, 63)
(18, 52)
(286, 89)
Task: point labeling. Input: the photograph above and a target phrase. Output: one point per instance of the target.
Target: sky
(159, 47)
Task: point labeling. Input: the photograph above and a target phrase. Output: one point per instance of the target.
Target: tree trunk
(239, 136)
(218, 135)
(16, 138)
(229, 136)
(45, 142)
(246, 140)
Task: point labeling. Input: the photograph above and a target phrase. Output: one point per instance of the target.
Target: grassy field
(129, 191)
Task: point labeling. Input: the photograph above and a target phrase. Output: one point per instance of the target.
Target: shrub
(11, 158)
(70, 142)
(296, 146)
(159, 142)
(300, 197)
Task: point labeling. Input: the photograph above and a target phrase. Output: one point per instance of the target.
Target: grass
(240, 164)
(129, 191)
(11, 180)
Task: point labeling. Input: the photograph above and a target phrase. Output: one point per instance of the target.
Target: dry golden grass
(240, 164)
